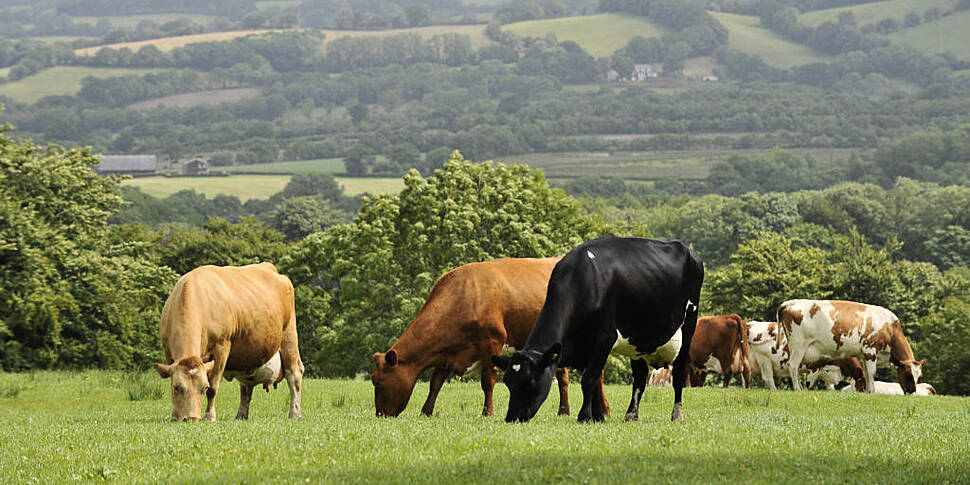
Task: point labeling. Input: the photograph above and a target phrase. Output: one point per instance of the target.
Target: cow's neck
(549, 329)
(187, 344)
(417, 352)
(899, 347)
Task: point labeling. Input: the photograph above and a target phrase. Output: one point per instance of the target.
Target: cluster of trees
(693, 26)
(82, 293)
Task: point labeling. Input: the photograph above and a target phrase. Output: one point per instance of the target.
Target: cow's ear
(502, 361)
(922, 362)
(552, 354)
(208, 366)
(163, 370)
(390, 358)
(377, 357)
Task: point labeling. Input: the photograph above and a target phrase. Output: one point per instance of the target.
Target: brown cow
(720, 345)
(237, 321)
(472, 313)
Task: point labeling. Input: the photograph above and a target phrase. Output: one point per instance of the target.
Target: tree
(371, 276)
(418, 14)
(71, 296)
(299, 217)
(319, 185)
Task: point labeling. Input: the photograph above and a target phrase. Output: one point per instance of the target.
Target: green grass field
(873, 12)
(188, 100)
(61, 80)
(475, 32)
(601, 35)
(71, 427)
(747, 35)
(326, 165)
(947, 34)
(254, 186)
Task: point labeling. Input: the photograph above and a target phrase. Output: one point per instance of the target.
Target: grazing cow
(642, 292)
(834, 373)
(472, 313)
(720, 345)
(823, 331)
(881, 387)
(237, 322)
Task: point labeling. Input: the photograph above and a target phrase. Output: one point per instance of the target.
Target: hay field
(747, 35)
(169, 43)
(947, 34)
(873, 12)
(601, 35)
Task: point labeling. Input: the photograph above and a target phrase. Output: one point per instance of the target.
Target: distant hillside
(131, 21)
(61, 80)
(476, 32)
(946, 34)
(188, 100)
(873, 12)
(747, 35)
(601, 35)
(169, 43)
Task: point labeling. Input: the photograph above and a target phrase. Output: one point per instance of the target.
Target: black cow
(643, 290)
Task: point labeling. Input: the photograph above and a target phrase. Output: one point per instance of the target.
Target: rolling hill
(946, 34)
(601, 35)
(169, 43)
(61, 80)
(747, 35)
(873, 12)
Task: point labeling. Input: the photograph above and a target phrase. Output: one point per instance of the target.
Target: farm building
(127, 165)
(194, 166)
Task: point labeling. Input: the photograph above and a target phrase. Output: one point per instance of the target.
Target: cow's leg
(292, 367)
(768, 374)
(245, 396)
(488, 385)
(219, 356)
(728, 374)
(562, 377)
(437, 380)
(606, 404)
(746, 376)
(683, 357)
(870, 366)
(794, 368)
(640, 371)
(592, 381)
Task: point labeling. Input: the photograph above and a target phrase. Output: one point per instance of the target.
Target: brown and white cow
(720, 345)
(834, 373)
(237, 322)
(822, 331)
(473, 313)
(768, 353)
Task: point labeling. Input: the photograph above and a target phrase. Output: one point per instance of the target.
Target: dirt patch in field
(195, 99)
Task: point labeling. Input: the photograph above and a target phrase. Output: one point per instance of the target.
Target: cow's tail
(742, 335)
(782, 325)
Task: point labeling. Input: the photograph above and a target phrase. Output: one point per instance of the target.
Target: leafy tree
(299, 217)
(70, 297)
(371, 276)
(319, 185)
(220, 243)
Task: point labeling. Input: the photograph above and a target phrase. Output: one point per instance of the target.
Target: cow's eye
(179, 389)
(205, 388)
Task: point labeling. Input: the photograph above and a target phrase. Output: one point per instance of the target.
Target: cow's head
(909, 372)
(392, 385)
(190, 381)
(528, 375)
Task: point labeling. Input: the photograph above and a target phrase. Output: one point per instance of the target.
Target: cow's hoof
(584, 418)
(562, 412)
(678, 413)
(631, 417)
(296, 415)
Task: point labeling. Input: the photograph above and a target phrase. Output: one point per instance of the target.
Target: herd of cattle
(533, 319)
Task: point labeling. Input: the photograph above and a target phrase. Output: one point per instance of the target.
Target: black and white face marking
(528, 375)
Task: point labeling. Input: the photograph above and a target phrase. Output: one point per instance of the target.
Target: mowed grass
(475, 32)
(168, 43)
(875, 11)
(325, 165)
(746, 34)
(247, 187)
(188, 100)
(62, 80)
(947, 34)
(601, 35)
(64, 427)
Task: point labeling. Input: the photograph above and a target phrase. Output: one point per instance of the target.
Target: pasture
(131, 21)
(188, 100)
(946, 34)
(165, 44)
(293, 167)
(64, 426)
(601, 35)
(747, 35)
(62, 80)
(875, 11)
(475, 33)
(247, 187)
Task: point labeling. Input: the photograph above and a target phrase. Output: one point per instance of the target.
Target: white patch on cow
(516, 367)
(590, 254)
(665, 354)
(193, 372)
(917, 372)
(265, 375)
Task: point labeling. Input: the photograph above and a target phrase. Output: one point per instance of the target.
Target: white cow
(882, 387)
(820, 331)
